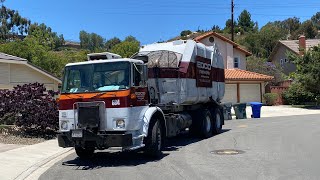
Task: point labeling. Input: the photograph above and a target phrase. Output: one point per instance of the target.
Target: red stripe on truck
(185, 70)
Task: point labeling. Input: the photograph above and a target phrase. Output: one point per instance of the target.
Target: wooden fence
(279, 89)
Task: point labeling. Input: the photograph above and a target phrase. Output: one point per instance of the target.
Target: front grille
(89, 117)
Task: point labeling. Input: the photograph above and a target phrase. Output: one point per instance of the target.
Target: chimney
(302, 44)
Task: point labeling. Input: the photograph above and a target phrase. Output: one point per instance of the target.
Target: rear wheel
(154, 140)
(202, 123)
(217, 121)
(84, 153)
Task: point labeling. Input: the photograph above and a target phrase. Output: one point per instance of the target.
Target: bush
(32, 109)
(8, 119)
(270, 98)
(297, 95)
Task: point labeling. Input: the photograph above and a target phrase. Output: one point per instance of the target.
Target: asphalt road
(272, 148)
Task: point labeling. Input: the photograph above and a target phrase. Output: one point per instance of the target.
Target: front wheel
(84, 153)
(154, 141)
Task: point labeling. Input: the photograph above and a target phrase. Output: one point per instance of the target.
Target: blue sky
(152, 20)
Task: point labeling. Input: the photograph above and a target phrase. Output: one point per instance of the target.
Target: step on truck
(163, 90)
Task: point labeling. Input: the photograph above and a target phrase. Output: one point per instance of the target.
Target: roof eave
(235, 45)
(245, 79)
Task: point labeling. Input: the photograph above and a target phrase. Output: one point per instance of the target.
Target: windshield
(96, 77)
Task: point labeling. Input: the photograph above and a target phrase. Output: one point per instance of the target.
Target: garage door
(230, 93)
(250, 93)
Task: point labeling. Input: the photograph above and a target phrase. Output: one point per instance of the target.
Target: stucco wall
(228, 52)
(18, 74)
(282, 54)
(222, 46)
(242, 57)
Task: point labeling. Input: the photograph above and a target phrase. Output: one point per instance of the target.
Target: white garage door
(230, 93)
(250, 93)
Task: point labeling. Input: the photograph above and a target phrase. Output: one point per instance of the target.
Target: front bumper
(88, 138)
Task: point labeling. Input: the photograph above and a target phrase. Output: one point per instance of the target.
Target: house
(17, 71)
(233, 54)
(241, 85)
(279, 54)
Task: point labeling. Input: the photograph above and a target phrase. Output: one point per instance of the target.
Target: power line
(279, 15)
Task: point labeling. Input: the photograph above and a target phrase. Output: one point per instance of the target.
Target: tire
(154, 140)
(217, 121)
(202, 123)
(84, 153)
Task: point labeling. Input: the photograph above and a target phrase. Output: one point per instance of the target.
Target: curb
(28, 172)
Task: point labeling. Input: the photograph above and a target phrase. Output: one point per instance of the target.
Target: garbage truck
(136, 103)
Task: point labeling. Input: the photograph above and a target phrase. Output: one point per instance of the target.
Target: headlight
(120, 123)
(64, 125)
(64, 114)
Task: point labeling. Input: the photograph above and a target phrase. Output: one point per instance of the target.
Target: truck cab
(103, 104)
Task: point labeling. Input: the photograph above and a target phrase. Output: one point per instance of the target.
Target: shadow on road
(184, 139)
(115, 159)
(110, 159)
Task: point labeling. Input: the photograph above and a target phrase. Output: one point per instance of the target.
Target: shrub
(270, 98)
(8, 119)
(33, 109)
(297, 95)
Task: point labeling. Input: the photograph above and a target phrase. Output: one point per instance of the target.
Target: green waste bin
(227, 111)
(240, 110)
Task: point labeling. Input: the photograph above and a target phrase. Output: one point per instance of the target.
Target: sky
(153, 20)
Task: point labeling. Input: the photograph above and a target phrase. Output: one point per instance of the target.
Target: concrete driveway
(269, 148)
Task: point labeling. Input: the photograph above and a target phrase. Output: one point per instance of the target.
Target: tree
(12, 24)
(308, 29)
(252, 42)
(315, 19)
(262, 66)
(269, 35)
(216, 28)
(185, 33)
(111, 43)
(291, 26)
(44, 35)
(131, 39)
(91, 41)
(126, 48)
(308, 70)
(84, 39)
(97, 42)
(245, 22)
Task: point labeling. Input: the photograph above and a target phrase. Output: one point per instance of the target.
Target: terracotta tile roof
(239, 74)
(235, 45)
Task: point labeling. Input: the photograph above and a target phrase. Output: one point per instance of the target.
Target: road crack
(234, 143)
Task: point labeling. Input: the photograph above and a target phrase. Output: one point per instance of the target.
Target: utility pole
(232, 21)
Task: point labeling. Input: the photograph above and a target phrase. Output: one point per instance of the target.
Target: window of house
(281, 62)
(236, 62)
(285, 60)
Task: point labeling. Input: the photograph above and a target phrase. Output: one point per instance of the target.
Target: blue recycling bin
(256, 109)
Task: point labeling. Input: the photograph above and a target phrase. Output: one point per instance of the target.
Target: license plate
(76, 134)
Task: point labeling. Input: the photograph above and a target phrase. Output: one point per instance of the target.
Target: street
(269, 148)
